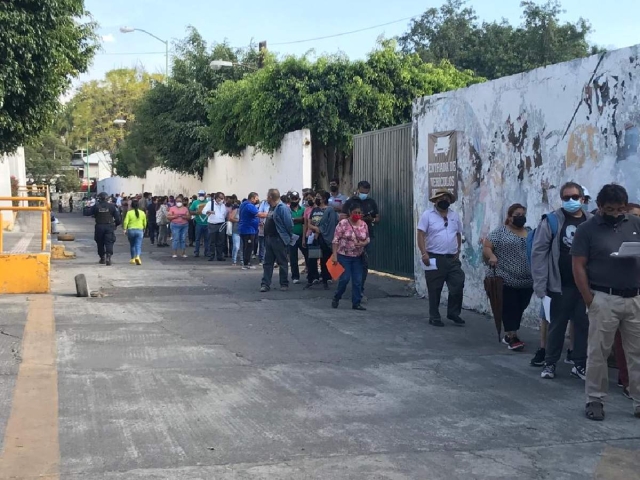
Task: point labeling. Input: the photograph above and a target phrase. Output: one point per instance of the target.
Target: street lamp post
(120, 122)
(166, 47)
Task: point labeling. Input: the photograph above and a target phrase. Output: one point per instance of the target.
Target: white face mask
(201, 198)
(178, 204)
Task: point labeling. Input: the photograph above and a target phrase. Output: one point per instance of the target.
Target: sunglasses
(446, 222)
(566, 198)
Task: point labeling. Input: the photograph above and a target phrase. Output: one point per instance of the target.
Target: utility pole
(262, 51)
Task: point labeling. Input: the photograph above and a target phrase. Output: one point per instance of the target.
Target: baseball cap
(202, 192)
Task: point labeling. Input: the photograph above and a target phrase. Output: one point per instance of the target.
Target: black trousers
(105, 237)
(191, 232)
(365, 264)
(248, 241)
(450, 272)
(293, 256)
(217, 238)
(312, 265)
(566, 306)
(152, 227)
(514, 302)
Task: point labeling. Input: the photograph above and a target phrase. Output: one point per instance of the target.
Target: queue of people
(570, 262)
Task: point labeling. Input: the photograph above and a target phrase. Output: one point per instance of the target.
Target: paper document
(432, 265)
(311, 238)
(628, 249)
(546, 304)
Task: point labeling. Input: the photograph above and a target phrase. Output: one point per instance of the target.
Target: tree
(91, 112)
(334, 97)
(497, 49)
(43, 45)
(171, 127)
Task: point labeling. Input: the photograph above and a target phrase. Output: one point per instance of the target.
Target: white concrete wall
(6, 217)
(521, 137)
(17, 166)
(288, 168)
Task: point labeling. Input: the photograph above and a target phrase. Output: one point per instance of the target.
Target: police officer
(107, 218)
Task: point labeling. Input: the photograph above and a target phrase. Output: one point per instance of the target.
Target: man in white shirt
(337, 199)
(439, 241)
(216, 212)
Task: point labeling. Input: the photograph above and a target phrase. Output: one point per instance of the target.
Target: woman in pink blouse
(349, 241)
(179, 217)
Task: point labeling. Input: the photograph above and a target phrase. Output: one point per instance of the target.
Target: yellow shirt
(133, 223)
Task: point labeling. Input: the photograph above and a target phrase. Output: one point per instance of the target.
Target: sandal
(594, 411)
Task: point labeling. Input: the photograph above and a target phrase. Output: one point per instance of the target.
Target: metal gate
(384, 159)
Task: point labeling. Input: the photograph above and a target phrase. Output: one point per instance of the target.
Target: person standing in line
(201, 224)
(178, 215)
(439, 240)
(371, 216)
(191, 232)
(337, 199)
(553, 277)
(610, 287)
(234, 218)
(60, 204)
(248, 228)
(71, 204)
(278, 228)
(312, 242)
(162, 220)
(152, 226)
(133, 226)
(264, 210)
(350, 238)
(216, 212)
(505, 250)
(297, 215)
(107, 219)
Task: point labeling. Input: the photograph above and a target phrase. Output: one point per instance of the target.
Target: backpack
(552, 220)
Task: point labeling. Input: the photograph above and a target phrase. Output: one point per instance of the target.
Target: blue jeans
(236, 247)
(353, 268)
(202, 235)
(135, 236)
(179, 236)
(261, 248)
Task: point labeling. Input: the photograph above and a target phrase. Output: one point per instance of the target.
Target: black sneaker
(358, 307)
(549, 371)
(626, 393)
(335, 303)
(568, 360)
(579, 372)
(538, 359)
(102, 261)
(456, 319)
(436, 322)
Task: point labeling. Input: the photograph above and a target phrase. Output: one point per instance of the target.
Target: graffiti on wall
(520, 138)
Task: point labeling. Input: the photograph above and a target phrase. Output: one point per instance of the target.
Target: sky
(280, 22)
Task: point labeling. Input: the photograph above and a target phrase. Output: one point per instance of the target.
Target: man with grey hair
(278, 228)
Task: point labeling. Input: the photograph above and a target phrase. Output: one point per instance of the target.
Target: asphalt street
(182, 369)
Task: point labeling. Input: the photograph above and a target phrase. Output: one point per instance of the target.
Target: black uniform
(107, 219)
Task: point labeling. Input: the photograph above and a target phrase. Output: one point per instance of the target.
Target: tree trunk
(329, 162)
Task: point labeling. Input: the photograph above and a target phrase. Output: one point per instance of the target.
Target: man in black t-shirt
(371, 216)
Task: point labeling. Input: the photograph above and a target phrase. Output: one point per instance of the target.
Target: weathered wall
(289, 167)
(17, 166)
(521, 137)
(6, 217)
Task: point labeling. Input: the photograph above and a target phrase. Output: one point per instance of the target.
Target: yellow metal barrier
(45, 209)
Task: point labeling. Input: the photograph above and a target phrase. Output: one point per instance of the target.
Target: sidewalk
(183, 370)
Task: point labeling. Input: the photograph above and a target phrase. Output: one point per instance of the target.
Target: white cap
(202, 192)
(586, 192)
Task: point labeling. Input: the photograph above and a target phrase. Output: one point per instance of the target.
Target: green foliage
(91, 112)
(45, 156)
(334, 97)
(43, 45)
(497, 49)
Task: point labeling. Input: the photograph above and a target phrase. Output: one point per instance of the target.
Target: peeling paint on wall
(521, 137)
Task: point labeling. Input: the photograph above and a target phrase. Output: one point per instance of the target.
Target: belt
(618, 292)
(445, 255)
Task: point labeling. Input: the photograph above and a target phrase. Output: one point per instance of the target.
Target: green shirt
(297, 227)
(200, 219)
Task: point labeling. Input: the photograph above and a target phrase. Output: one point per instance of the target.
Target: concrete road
(183, 370)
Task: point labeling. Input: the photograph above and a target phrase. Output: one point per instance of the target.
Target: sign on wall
(443, 162)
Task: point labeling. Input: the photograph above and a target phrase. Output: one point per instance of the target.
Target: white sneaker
(296, 281)
(174, 256)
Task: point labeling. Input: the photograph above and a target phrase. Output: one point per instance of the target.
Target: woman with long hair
(505, 250)
(134, 224)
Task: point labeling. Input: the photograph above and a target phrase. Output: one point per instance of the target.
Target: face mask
(363, 196)
(178, 204)
(356, 217)
(201, 199)
(519, 222)
(318, 202)
(443, 204)
(585, 207)
(310, 203)
(295, 204)
(613, 220)
(333, 188)
(572, 206)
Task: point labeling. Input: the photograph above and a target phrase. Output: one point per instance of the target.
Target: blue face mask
(585, 207)
(363, 196)
(572, 206)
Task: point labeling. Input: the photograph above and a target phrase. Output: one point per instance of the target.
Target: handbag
(229, 229)
(314, 252)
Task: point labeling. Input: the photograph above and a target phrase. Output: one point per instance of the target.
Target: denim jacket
(284, 223)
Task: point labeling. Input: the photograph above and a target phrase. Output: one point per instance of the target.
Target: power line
(348, 33)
